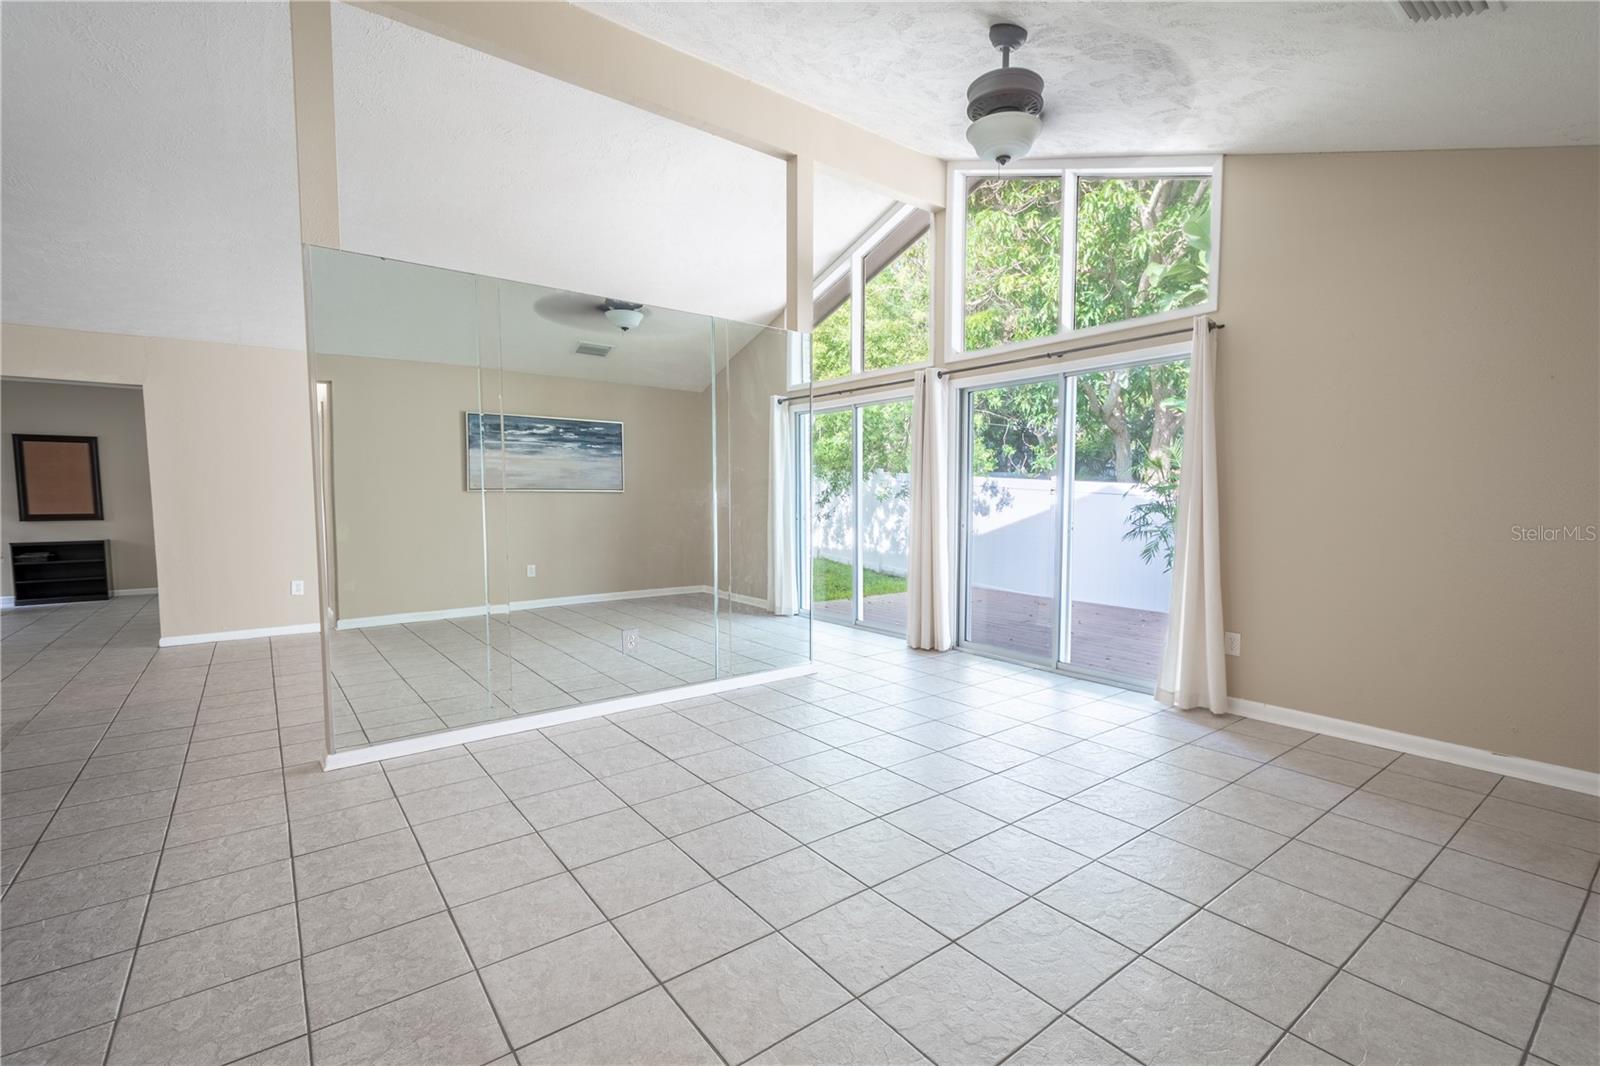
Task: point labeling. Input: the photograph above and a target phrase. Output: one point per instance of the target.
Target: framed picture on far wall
(58, 478)
(531, 453)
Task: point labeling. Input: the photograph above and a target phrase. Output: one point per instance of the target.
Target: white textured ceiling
(148, 171)
(1125, 78)
(451, 156)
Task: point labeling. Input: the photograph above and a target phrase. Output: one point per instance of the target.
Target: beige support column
(316, 162)
(799, 269)
(311, 46)
(939, 287)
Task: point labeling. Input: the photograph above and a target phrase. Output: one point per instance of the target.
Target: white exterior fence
(1014, 538)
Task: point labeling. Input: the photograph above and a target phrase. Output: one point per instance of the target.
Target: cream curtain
(1193, 671)
(930, 607)
(781, 588)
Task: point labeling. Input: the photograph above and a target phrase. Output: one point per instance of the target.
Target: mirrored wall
(534, 500)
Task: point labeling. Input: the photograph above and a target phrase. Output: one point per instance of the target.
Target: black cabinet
(60, 571)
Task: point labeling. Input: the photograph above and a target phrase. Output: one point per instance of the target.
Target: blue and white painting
(530, 453)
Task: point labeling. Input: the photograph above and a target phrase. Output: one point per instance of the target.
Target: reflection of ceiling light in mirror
(623, 314)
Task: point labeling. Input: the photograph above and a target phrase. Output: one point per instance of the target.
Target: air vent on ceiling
(1431, 10)
(601, 350)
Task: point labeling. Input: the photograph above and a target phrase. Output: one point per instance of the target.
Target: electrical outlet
(297, 588)
(630, 641)
(1230, 642)
(533, 571)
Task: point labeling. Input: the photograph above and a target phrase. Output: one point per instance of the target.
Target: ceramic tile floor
(404, 680)
(906, 857)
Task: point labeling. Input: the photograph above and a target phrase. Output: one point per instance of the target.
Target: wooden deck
(1118, 641)
(881, 612)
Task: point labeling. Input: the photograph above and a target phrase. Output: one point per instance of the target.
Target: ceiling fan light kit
(624, 314)
(1005, 105)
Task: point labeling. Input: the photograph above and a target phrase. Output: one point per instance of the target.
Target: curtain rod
(1187, 331)
(1000, 362)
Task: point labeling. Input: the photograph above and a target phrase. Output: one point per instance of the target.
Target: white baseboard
(11, 601)
(605, 597)
(532, 605)
(1479, 759)
(238, 634)
(743, 600)
(394, 749)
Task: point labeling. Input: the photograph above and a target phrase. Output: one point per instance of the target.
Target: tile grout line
(1144, 832)
(294, 873)
(1343, 967)
(133, 956)
(21, 866)
(1027, 897)
(606, 918)
(1555, 975)
(472, 962)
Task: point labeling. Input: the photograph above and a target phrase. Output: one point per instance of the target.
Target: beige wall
(1409, 371)
(116, 417)
(1411, 368)
(227, 432)
(409, 535)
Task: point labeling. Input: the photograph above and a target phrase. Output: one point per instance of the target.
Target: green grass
(831, 581)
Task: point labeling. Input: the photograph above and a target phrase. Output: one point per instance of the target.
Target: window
(830, 345)
(854, 476)
(1144, 247)
(874, 310)
(1065, 249)
(1013, 261)
(896, 309)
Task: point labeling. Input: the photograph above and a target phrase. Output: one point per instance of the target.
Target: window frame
(803, 414)
(850, 268)
(1070, 171)
(961, 406)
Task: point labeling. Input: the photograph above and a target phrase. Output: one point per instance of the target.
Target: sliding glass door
(857, 475)
(884, 496)
(1069, 505)
(1013, 518)
(833, 516)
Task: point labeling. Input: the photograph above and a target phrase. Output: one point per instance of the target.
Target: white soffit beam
(594, 53)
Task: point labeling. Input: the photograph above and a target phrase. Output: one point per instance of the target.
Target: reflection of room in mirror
(514, 480)
(400, 681)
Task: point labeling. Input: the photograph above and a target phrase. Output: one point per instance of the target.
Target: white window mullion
(1069, 250)
(858, 316)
